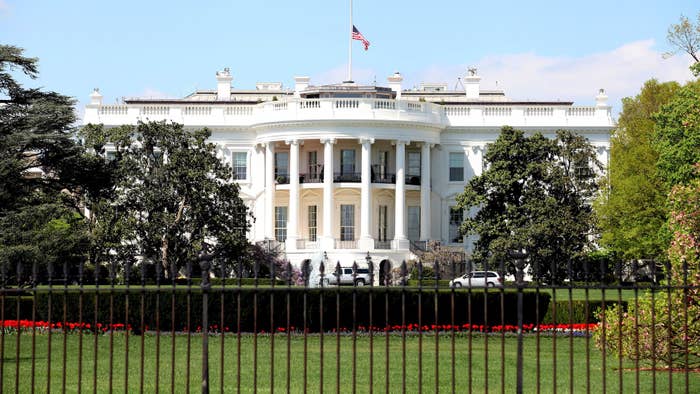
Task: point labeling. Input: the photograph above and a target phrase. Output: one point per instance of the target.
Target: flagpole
(350, 47)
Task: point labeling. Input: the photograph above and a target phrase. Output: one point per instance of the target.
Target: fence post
(519, 257)
(204, 263)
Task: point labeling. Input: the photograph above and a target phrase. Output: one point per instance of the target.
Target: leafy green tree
(42, 172)
(36, 134)
(663, 328)
(38, 235)
(173, 199)
(534, 194)
(677, 136)
(632, 208)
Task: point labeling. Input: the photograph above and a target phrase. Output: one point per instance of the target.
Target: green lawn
(594, 294)
(477, 368)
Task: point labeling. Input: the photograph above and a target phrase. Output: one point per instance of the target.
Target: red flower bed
(69, 326)
(578, 328)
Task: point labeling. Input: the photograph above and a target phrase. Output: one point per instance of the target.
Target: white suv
(478, 279)
(346, 277)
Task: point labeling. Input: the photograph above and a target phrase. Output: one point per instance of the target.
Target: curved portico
(366, 165)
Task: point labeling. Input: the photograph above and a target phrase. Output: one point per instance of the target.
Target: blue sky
(551, 50)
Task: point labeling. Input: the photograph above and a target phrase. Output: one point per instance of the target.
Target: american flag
(356, 35)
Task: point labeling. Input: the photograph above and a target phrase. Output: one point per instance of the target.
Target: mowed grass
(480, 363)
(592, 294)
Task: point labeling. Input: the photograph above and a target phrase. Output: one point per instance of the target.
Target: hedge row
(576, 311)
(269, 308)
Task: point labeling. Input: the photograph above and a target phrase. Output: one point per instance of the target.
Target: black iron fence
(204, 327)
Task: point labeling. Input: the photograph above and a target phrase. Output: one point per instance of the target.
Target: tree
(677, 136)
(534, 194)
(632, 208)
(173, 199)
(663, 328)
(38, 235)
(685, 36)
(42, 169)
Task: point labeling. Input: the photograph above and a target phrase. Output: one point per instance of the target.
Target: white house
(349, 169)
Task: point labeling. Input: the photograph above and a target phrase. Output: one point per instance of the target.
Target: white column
(327, 241)
(400, 239)
(366, 241)
(293, 219)
(269, 190)
(425, 192)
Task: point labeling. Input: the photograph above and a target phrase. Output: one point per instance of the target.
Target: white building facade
(348, 169)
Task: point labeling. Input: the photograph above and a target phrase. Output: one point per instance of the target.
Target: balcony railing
(306, 244)
(311, 178)
(354, 177)
(384, 178)
(345, 244)
(379, 244)
(413, 179)
(418, 246)
(359, 108)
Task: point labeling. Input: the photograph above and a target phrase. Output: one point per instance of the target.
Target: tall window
(240, 165)
(413, 168)
(456, 167)
(313, 222)
(347, 222)
(456, 217)
(347, 161)
(313, 164)
(383, 163)
(281, 223)
(383, 223)
(414, 223)
(282, 165)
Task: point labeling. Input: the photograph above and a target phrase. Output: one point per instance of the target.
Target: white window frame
(449, 167)
(451, 237)
(236, 176)
(281, 223)
(347, 230)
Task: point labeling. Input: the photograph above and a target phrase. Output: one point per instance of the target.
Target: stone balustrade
(468, 115)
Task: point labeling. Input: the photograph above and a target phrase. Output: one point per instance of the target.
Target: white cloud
(529, 76)
(621, 72)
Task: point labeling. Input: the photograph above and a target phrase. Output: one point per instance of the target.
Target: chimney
(223, 85)
(395, 84)
(96, 97)
(601, 100)
(471, 83)
(300, 84)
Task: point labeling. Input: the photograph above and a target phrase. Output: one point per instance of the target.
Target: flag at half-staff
(356, 35)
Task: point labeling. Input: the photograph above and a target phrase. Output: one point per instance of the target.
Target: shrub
(664, 327)
(305, 307)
